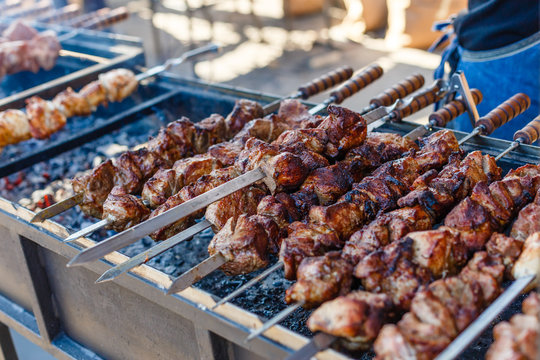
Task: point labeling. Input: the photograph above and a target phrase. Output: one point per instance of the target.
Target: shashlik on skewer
(422, 256)
(377, 148)
(439, 118)
(519, 337)
(293, 116)
(136, 261)
(280, 210)
(263, 171)
(188, 138)
(447, 306)
(48, 116)
(333, 274)
(22, 48)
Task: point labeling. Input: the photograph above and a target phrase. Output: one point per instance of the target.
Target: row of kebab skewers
(330, 160)
(23, 48)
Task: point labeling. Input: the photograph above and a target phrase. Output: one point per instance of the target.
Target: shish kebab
(181, 138)
(440, 118)
(217, 259)
(445, 308)
(424, 251)
(44, 117)
(292, 253)
(223, 155)
(524, 271)
(22, 48)
(369, 154)
(172, 215)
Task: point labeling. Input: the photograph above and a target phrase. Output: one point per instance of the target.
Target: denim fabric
(499, 74)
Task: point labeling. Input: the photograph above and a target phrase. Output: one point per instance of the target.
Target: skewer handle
(84, 18)
(325, 82)
(114, 16)
(399, 91)
(504, 113)
(357, 83)
(63, 14)
(530, 133)
(423, 99)
(453, 109)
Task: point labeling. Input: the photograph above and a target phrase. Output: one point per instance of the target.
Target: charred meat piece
(243, 201)
(244, 110)
(306, 240)
(209, 131)
(528, 262)
(357, 316)
(385, 229)
(123, 210)
(320, 279)
(95, 94)
(243, 241)
(392, 271)
(328, 183)
(528, 220)
(95, 185)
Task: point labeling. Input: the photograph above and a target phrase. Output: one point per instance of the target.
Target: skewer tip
(71, 238)
(106, 276)
(36, 218)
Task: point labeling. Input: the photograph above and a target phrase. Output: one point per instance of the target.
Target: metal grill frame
(52, 306)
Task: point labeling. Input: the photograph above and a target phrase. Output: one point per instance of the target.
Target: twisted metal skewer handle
(357, 83)
(530, 133)
(453, 109)
(423, 99)
(112, 17)
(398, 91)
(503, 113)
(325, 82)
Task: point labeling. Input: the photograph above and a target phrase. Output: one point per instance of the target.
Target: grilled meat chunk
(320, 278)
(123, 210)
(14, 127)
(357, 316)
(528, 220)
(209, 131)
(306, 240)
(244, 110)
(243, 201)
(71, 103)
(528, 262)
(95, 94)
(45, 118)
(96, 186)
(243, 241)
(119, 84)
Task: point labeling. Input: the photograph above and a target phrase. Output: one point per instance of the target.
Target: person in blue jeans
(497, 46)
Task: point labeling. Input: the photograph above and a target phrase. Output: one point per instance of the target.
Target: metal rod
(160, 248)
(275, 320)
(87, 230)
(249, 284)
(196, 273)
(476, 131)
(477, 327)
(57, 208)
(513, 146)
(319, 342)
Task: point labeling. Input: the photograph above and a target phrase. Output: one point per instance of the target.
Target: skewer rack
(64, 312)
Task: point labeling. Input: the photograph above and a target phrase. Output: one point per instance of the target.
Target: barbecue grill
(84, 55)
(63, 311)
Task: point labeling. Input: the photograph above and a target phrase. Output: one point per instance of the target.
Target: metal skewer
(416, 81)
(528, 135)
(275, 320)
(311, 88)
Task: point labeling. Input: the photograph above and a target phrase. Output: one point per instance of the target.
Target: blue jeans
(499, 74)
